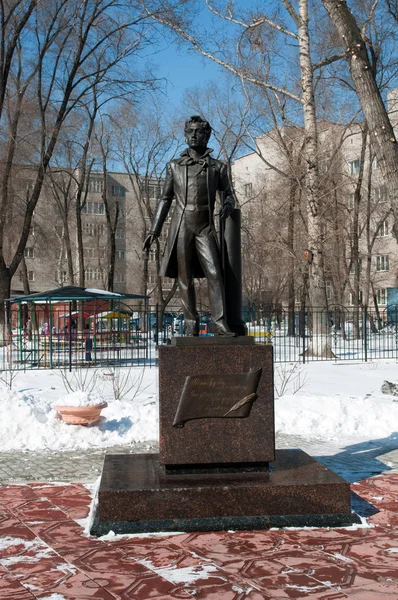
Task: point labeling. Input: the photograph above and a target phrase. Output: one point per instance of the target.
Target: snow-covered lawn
(28, 422)
(337, 402)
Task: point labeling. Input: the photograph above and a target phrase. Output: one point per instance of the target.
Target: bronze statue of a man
(192, 248)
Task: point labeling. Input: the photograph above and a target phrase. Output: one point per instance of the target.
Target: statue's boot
(191, 327)
(221, 328)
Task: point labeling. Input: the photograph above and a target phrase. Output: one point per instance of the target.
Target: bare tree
(44, 80)
(112, 208)
(14, 17)
(384, 144)
(145, 141)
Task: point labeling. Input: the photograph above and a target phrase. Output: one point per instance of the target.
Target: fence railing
(339, 334)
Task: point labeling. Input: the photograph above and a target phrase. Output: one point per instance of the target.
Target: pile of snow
(327, 401)
(80, 398)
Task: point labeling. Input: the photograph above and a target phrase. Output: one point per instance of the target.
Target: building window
(96, 185)
(63, 277)
(328, 290)
(29, 252)
(90, 252)
(118, 190)
(381, 296)
(352, 267)
(352, 298)
(351, 202)
(92, 274)
(121, 253)
(152, 255)
(167, 283)
(94, 228)
(120, 278)
(324, 162)
(119, 234)
(151, 278)
(93, 208)
(31, 276)
(380, 194)
(151, 190)
(354, 166)
(383, 229)
(248, 189)
(382, 263)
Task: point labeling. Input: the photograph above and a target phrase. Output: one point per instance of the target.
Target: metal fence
(339, 333)
(131, 337)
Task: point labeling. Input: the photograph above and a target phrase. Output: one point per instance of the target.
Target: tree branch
(329, 61)
(261, 21)
(241, 73)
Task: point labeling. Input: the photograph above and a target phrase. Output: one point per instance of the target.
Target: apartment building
(51, 255)
(353, 198)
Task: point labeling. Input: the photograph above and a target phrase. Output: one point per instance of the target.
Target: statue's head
(197, 132)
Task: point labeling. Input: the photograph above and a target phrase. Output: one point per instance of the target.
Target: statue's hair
(197, 119)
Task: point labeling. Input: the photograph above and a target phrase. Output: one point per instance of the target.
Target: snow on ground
(338, 402)
(28, 422)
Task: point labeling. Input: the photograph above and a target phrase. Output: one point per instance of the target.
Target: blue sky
(183, 68)
(180, 64)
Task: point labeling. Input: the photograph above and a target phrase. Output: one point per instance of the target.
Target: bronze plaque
(217, 396)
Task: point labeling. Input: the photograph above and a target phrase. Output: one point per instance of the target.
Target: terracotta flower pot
(80, 415)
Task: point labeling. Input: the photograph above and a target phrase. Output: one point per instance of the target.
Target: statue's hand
(226, 210)
(148, 242)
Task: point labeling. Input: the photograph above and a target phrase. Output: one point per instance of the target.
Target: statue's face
(196, 136)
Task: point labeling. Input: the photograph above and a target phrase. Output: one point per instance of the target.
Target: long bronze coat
(175, 187)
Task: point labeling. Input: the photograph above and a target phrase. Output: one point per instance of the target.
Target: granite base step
(136, 495)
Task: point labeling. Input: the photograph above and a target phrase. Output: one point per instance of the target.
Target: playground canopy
(71, 293)
(56, 327)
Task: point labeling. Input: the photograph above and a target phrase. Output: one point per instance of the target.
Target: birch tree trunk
(319, 343)
(290, 243)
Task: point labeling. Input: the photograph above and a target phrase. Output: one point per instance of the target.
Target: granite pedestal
(215, 441)
(217, 473)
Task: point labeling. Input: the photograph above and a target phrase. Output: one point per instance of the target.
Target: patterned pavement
(45, 554)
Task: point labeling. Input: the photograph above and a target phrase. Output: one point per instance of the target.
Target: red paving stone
(45, 554)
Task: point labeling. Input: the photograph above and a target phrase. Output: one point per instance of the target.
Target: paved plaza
(45, 552)
(354, 462)
(81, 466)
